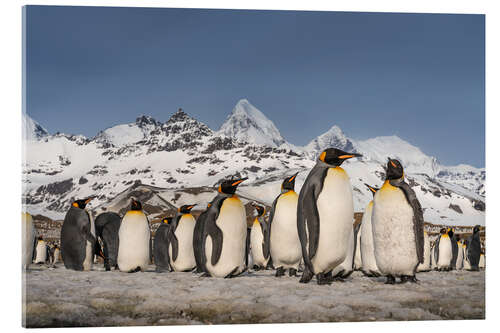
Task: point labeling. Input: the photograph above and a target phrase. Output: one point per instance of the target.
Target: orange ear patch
(322, 156)
(220, 189)
(75, 204)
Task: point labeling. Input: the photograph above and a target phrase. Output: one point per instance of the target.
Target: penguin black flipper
(307, 213)
(197, 241)
(418, 216)
(356, 230)
(265, 245)
(273, 209)
(173, 239)
(211, 229)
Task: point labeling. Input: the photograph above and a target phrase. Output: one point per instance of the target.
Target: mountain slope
(32, 130)
(247, 124)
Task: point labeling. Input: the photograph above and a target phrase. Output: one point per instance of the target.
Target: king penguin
(474, 248)
(259, 240)
(284, 238)
(107, 226)
(160, 246)
(41, 251)
(134, 240)
(460, 257)
(180, 248)
(28, 240)
(225, 232)
(426, 265)
(368, 262)
(398, 227)
(444, 250)
(324, 216)
(78, 237)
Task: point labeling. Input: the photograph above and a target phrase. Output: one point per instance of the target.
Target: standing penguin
(460, 257)
(426, 265)
(28, 240)
(134, 240)
(199, 228)
(78, 237)
(474, 248)
(358, 262)
(180, 240)
(41, 251)
(225, 231)
(368, 262)
(444, 251)
(259, 240)
(398, 227)
(324, 216)
(57, 253)
(161, 245)
(107, 226)
(284, 238)
(454, 248)
(346, 268)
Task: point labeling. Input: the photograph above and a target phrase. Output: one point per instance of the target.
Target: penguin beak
(371, 188)
(191, 207)
(238, 182)
(293, 177)
(89, 200)
(347, 156)
(392, 163)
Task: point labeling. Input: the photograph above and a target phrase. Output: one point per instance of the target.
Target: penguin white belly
(445, 252)
(286, 250)
(41, 252)
(393, 234)
(466, 259)
(184, 233)
(482, 262)
(133, 249)
(368, 263)
(232, 223)
(426, 265)
(358, 264)
(89, 248)
(335, 210)
(28, 239)
(256, 243)
(460, 257)
(347, 265)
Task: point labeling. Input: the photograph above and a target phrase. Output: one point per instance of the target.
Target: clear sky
(418, 76)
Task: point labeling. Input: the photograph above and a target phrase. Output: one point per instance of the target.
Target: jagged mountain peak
(246, 123)
(31, 129)
(144, 120)
(334, 137)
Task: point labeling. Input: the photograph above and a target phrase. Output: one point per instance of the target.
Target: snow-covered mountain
(247, 124)
(32, 130)
(177, 158)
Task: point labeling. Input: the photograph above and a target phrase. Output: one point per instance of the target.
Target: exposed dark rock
(82, 180)
(456, 208)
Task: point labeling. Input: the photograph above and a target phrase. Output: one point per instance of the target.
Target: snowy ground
(59, 297)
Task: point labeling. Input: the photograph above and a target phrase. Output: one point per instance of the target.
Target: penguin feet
(233, 273)
(306, 276)
(280, 271)
(292, 272)
(205, 275)
(135, 270)
(390, 279)
(256, 268)
(323, 279)
(408, 278)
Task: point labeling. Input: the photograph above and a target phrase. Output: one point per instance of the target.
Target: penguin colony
(310, 232)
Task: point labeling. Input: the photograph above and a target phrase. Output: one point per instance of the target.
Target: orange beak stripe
(345, 156)
(88, 200)
(393, 164)
(291, 179)
(236, 182)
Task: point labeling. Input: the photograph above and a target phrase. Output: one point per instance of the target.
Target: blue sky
(418, 76)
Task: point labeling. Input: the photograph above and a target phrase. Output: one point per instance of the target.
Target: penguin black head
(372, 189)
(167, 220)
(451, 232)
(260, 210)
(476, 229)
(82, 203)
(289, 183)
(229, 186)
(135, 205)
(186, 209)
(40, 238)
(442, 231)
(336, 157)
(394, 169)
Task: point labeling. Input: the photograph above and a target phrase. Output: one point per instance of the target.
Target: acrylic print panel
(189, 166)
